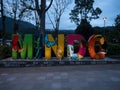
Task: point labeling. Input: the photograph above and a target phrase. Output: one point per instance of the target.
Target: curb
(54, 62)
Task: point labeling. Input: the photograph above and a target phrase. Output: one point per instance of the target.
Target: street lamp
(104, 19)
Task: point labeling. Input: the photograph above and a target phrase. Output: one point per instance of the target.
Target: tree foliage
(84, 9)
(84, 29)
(117, 21)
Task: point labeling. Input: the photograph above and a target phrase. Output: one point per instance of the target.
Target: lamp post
(104, 19)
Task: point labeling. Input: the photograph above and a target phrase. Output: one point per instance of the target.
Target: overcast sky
(110, 8)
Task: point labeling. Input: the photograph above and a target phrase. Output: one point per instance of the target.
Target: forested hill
(23, 26)
(26, 27)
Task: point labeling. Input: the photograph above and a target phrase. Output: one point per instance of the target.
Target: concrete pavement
(80, 77)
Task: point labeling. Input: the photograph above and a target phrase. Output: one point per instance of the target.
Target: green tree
(117, 22)
(84, 9)
(82, 13)
(84, 29)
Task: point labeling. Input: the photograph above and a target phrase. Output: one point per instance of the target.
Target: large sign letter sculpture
(101, 42)
(71, 38)
(51, 44)
(25, 49)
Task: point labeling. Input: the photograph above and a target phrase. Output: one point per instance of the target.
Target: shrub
(113, 49)
(5, 51)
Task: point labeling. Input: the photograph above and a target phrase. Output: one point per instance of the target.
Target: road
(81, 77)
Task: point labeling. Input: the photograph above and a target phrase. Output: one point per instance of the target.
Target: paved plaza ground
(80, 77)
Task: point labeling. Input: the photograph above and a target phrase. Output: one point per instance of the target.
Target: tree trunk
(57, 29)
(42, 19)
(15, 27)
(42, 12)
(3, 23)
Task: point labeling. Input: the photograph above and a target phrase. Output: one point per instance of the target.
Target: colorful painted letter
(71, 39)
(51, 44)
(25, 49)
(100, 41)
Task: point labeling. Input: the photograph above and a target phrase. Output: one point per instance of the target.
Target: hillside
(25, 27)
